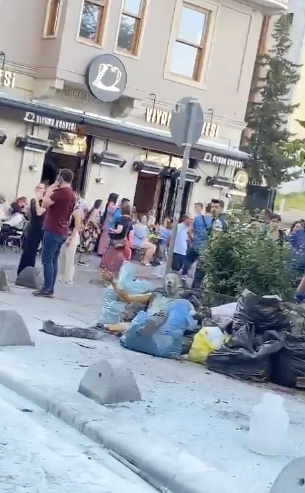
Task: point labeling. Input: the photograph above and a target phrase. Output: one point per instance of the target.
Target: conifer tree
(268, 140)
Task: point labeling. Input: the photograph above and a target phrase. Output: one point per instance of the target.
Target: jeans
(67, 260)
(199, 276)
(51, 247)
(178, 260)
(191, 256)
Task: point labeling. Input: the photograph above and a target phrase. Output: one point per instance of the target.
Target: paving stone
(13, 331)
(3, 281)
(29, 278)
(110, 382)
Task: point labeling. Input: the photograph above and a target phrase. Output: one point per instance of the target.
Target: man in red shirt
(59, 201)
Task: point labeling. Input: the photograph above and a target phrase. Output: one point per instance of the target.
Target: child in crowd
(165, 233)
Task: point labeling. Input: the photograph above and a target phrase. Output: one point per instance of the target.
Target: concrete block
(3, 281)
(13, 331)
(110, 382)
(29, 278)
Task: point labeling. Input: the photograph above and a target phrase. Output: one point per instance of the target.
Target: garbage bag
(205, 341)
(112, 308)
(246, 356)
(167, 341)
(266, 313)
(288, 365)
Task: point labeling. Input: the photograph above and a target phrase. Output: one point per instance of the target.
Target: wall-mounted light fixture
(108, 159)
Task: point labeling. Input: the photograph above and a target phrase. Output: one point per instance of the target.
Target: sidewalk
(204, 413)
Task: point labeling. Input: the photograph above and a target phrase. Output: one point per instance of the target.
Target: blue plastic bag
(167, 341)
(112, 307)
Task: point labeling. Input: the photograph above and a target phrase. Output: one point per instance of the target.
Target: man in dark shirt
(59, 201)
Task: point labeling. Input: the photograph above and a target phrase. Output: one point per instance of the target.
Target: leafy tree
(268, 140)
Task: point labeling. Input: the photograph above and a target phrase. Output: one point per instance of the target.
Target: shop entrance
(69, 151)
(159, 191)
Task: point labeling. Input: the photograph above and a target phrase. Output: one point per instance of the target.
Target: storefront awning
(116, 130)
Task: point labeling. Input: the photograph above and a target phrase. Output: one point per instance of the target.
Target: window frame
(49, 12)
(203, 50)
(98, 41)
(140, 26)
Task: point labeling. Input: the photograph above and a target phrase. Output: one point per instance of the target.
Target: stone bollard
(3, 281)
(110, 382)
(292, 478)
(13, 331)
(29, 278)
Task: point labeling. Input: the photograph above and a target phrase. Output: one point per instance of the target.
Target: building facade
(90, 85)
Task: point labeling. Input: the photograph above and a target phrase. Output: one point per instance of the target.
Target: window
(93, 20)
(188, 49)
(131, 23)
(52, 17)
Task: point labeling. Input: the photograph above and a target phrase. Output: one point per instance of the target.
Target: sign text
(221, 160)
(159, 117)
(46, 121)
(7, 78)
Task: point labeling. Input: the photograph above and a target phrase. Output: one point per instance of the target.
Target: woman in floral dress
(89, 232)
(106, 221)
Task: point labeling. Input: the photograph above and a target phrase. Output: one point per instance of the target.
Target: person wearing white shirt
(181, 243)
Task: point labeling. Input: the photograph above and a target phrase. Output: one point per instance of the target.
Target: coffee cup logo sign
(45, 121)
(241, 179)
(107, 78)
(222, 160)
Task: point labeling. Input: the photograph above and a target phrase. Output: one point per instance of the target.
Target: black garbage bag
(264, 313)
(288, 365)
(246, 356)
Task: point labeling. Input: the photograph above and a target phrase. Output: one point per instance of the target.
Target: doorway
(145, 192)
(159, 193)
(70, 151)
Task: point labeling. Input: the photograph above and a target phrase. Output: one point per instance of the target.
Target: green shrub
(244, 258)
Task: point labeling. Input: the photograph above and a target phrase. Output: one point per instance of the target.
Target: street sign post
(186, 128)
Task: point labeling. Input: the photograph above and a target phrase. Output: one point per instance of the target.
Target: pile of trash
(255, 341)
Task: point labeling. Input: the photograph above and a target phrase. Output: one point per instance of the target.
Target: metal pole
(186, 157)
(3, 66)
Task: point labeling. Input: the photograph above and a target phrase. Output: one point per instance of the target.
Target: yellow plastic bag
(205, 341)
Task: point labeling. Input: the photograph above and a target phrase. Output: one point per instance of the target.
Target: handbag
(119, 243)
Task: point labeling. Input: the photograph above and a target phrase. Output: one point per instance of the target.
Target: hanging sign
(46, 121)
(163, 118)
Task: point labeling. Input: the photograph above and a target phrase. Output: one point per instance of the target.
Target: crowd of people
(67, 231)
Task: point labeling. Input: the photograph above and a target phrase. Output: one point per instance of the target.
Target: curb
(167, 468)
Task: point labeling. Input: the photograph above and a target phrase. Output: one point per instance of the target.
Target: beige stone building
(90, 85)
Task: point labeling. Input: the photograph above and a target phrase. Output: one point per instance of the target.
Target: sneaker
(83, 263)
(44, 293)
